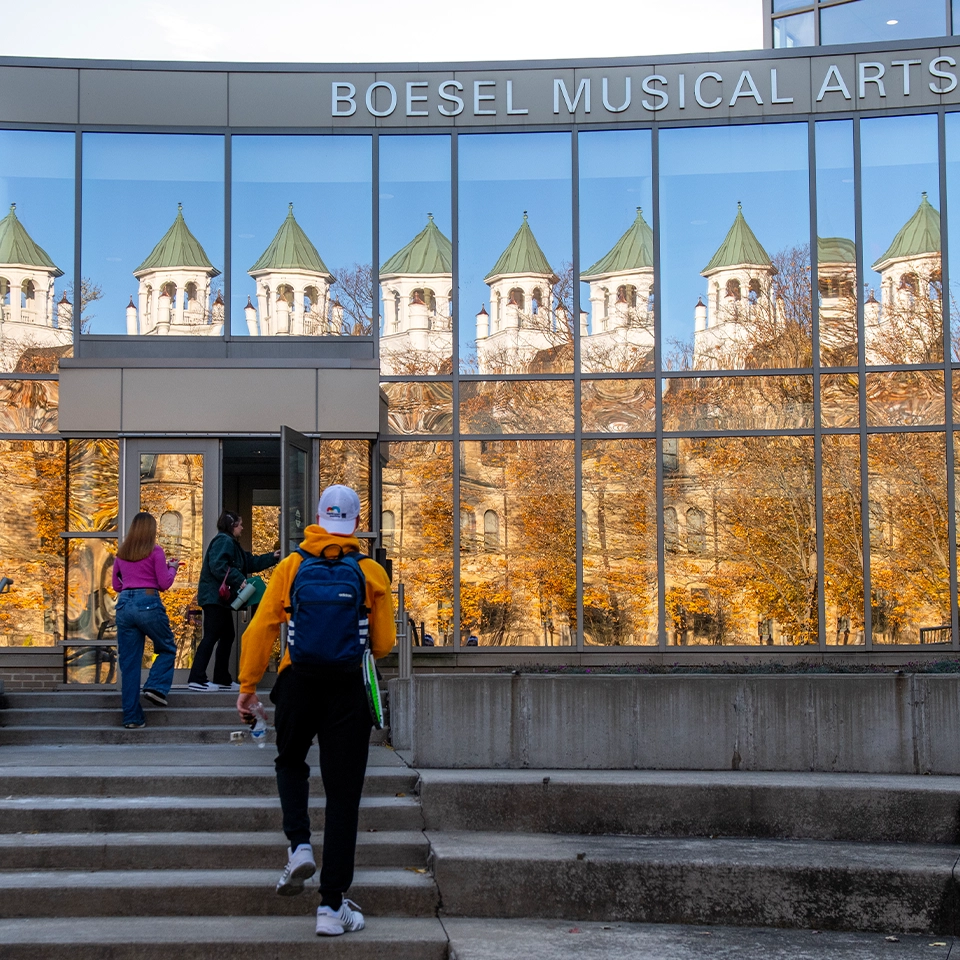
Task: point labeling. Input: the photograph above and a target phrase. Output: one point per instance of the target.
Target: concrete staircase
(127, 847)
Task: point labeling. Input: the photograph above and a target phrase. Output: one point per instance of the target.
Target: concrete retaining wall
(870, 724)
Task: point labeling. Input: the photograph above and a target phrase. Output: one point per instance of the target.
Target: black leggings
(217, 632)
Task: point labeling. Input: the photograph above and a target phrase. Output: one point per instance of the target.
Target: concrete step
(195, 715)
(109, 735)
(783, 883)
(240, 850)
(380, 891)
(819, 806)
(220, 938)
(146, 781)
(109, 699)
(187, 814)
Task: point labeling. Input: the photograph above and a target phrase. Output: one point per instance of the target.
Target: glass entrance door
(298, 484)
(178, 481)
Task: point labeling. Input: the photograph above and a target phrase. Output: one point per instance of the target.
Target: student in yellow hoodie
(329, 703)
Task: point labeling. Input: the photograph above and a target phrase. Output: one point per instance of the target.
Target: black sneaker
(158, 698)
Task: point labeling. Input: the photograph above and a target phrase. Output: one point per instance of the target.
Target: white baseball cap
(338, 510)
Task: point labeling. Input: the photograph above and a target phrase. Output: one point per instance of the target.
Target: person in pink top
(141, 572)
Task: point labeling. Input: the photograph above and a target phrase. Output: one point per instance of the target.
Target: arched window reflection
(696, 531)
(671, 539)
(468, 529)
(491, 530)
(387, 528)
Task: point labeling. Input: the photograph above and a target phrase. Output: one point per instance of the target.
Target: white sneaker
(300, 866)
(331, 923)
(203, 687)
(226, 686)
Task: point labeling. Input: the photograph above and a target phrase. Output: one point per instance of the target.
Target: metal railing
(404, 646)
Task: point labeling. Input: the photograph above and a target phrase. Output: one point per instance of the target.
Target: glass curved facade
(653, 383)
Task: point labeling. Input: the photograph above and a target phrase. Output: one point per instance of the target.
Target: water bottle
(259, 729)
(246, 592)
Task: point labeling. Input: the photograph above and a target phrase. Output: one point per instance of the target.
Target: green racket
(372, 686)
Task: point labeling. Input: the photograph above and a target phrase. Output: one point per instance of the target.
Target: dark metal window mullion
(455, 370)
(574, 322)
(227, 332)
(658, 389)
(862, 392)
(815, 341)
(77, 244)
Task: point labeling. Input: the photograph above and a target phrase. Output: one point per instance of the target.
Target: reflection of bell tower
(521, 321)
(293, 287)
(621, 301)
(837, 289)
(910, 270)
(28, 316)
(175, 287)
(739, 281)
(417, 288)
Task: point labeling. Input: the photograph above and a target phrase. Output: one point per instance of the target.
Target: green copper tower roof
(523, 255)
(739, 246)
(429, 252)
(291, 249)
(836, 250)
(633, 251)
(16, 246)
(178, 248)
(920, 235)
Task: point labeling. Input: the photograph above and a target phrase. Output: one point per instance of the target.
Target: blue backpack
(328, 623)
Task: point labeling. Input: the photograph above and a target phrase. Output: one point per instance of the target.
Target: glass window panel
(906, 399)
(735, 252)
(525, 592)
(153, 233)
(842, 540)
(744, 568)
(516, 253)
(90, 607)
(516, 406)
(616, 251)
(32, 514)
(836, 250)
(93, 472)
(418, 494)
(416, 270)
(619, 542)
(419, 407)
(302, 236)
(839, 400)
(952, 149)
(866, 21)
(903, 314)
(780, 5)
(795, 31)
(617, 406)
(348, 462)
(738, 403)
(909, 566)
(171, 486)
(37, 192)
(29, 406)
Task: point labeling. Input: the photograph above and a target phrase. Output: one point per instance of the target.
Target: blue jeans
(140, 614)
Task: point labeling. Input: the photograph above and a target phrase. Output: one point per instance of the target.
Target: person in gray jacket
(224, 562)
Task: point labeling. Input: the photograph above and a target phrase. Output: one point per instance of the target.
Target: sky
(307, 31)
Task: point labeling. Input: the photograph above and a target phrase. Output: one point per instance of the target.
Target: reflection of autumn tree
(620, 541)
(516, 406)
(94, 469)
(353, 290)
(909, 557)
(32, 515)
(90, 293)
(347, 462)
(842, 537)
(418, 491)
(908, 326)
(751, 555)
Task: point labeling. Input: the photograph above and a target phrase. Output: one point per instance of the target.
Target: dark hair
(227, 521)
(140, 540)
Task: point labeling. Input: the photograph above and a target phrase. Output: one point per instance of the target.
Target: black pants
(217, 632)
(331, 706)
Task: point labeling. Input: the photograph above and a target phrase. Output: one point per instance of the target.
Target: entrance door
(298, 485)
(178, 481)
